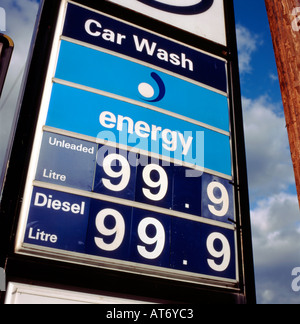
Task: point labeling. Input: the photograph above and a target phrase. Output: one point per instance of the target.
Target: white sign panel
(204, 18)
(22, 294)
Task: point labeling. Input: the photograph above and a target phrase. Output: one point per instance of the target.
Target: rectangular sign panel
(110, 119)
(148, 85)
(131, 168)
(204, 18)
(25, 294)
(101, 30)
(107, 230)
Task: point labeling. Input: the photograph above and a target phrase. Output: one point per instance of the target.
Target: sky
(275, 213)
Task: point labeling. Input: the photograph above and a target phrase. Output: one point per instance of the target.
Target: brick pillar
(284, 19)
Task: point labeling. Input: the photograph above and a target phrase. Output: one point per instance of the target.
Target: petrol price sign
(132, 167)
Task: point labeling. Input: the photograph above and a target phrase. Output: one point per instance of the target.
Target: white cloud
(270, 168)
(275, 212)
(247, 45)
(274, 215)
(276, 241)
(274, 77)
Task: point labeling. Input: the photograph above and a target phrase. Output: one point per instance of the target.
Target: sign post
(284, 17)
(6, 50)
(132, 167)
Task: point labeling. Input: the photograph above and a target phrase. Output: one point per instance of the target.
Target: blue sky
(253, 16)
(274, 207)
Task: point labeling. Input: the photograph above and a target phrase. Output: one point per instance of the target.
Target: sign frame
(24, 248)
(232, 294)
(6, 50)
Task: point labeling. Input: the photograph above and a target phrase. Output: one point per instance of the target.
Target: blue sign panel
(132, 165)
(217, 198)
(150, 181)
(67, 161)
(212, 253)
(108, 233)
(155, 184)
(121, 122)
(187, 191)
(142, 84)
(100, 30)
(57, 220)
(134, 177)
(93, 227)
(115, 173)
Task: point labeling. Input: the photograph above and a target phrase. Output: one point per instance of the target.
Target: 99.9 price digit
(117, 233)
(158, 189)
(224, 253)
(154, 241)
(153, 184)
(124, 174)
(222, 201)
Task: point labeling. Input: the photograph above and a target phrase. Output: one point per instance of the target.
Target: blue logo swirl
(195, 9)
(147, 91)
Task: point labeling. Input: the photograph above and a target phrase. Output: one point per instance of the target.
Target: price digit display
(161, 182)
(134, 233)
(212, 253)
(166, 186)
(159, 238)
(223, 253)
(115, 175)
(223, 201)
(140, 236)
(137, 235)
(123, 174)
(118, 230)
(217, 199)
